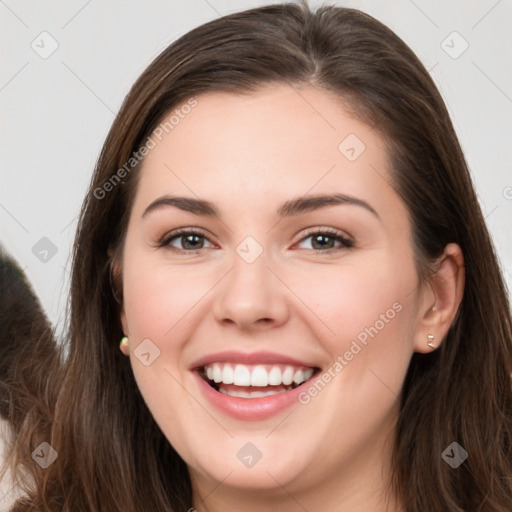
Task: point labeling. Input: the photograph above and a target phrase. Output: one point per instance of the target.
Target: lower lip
(250, 409)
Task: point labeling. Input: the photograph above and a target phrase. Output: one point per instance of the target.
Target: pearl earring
(430, 338)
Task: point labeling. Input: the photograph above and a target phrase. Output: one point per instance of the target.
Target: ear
(115, 272)
(441, 299)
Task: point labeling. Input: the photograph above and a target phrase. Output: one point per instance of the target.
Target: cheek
(349, 298)
(158, 297)
(364, 313)
(159, 305)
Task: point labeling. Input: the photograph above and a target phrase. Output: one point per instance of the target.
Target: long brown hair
(112, 455)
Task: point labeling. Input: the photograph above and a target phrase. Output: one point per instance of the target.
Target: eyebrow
(289, 208)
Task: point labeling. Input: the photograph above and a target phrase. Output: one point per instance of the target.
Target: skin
(248, 154)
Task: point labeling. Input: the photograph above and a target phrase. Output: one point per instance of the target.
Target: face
(270, 292)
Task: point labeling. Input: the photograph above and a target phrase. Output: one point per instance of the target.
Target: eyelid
(326, 230)
(165, 240)
(346, 240)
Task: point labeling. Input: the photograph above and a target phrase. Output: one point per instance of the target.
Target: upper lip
(248, 358)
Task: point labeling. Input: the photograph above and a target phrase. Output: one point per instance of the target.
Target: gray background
(56, 111)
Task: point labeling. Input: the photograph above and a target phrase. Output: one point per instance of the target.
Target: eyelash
(346, 243)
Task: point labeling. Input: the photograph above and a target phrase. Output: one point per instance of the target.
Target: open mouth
(255, 381)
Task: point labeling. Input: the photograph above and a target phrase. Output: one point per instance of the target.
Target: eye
(185, 240)
(191, 240)
(326, 240)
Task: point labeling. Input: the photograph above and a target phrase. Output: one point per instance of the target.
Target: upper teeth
(257, 375)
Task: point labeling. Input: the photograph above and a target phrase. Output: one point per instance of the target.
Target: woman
(282, 237)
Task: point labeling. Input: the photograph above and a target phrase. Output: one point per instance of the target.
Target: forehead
(269, 144)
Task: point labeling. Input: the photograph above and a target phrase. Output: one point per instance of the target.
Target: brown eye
(326, 240)
(191, 241)
(185, 240)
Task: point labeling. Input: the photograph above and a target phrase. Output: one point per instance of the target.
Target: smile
(251, 386)
(255, 381)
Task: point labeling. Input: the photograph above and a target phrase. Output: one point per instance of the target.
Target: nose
(251, 296)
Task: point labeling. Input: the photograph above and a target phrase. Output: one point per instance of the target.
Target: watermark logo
(249, 249)
(147, 352)
(44, 45)
(454, 45)
(249, 455)
(454, 455)
(44, 250)
(351, 147)
(45, 455)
